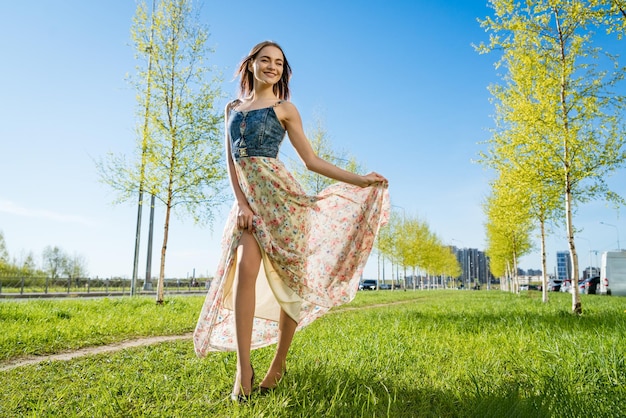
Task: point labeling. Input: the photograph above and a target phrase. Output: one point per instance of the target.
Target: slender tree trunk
(161, 284)
(378, 270)
(170, 100)
(404, 281)
(576, 304)
(514, 282)
(507, 281)
(166, 227)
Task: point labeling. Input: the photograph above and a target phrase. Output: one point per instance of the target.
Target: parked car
(566, 286)
(554, 285)
(593, 285)
(367, 285)
(384, 286)
(589, 286)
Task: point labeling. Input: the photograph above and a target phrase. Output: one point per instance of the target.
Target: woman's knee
(250, 257)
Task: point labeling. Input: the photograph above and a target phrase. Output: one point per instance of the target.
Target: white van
(613, 273)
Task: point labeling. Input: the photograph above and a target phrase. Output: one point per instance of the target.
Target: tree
(517, 148)
(313, 182)
(181, 161)
(414, 243)
(5, 266)
(508, 227)
(4, 254)
(410, 233)
(24, 266)
(28, 266)
(54, 261)
(614, 15)
(384, 243)
(75, 267)
(578, 115)
(451, 266)
(407, 241)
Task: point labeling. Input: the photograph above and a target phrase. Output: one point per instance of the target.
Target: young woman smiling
(287, 257)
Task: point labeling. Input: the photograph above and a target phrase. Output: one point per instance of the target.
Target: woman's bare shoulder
(285, 104)
(232, 104)
(286, 108)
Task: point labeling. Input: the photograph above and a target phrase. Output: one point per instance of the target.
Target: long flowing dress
(314, 248)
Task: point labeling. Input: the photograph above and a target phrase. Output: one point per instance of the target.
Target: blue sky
(397, 83)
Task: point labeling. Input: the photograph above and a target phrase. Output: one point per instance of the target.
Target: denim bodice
(255, 133)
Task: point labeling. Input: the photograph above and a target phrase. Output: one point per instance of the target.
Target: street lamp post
(397, 269)
(616, 229)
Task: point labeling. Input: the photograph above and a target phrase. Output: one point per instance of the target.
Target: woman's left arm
(290, 117)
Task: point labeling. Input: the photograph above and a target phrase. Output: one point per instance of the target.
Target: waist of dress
(238, 153)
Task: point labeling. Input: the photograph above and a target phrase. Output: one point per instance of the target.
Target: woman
(287, 257)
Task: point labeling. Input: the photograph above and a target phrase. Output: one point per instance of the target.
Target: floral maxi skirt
(314, 249)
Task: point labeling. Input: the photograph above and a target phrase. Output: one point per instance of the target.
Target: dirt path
(87, 351)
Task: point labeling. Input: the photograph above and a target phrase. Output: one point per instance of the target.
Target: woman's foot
(242, 391)
(272, 378)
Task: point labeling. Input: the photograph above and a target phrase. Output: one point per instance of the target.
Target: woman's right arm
(244, 213)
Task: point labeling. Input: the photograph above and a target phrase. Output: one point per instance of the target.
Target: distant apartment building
(534, 272)
(563, 265)
(591, 272)
(529, 272)
(474, 266)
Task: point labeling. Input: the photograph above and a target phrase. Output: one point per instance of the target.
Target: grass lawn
(436, 354)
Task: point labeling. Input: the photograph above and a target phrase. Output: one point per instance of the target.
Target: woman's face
(267, 67)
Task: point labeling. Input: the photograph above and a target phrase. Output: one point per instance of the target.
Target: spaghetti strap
(233, 104)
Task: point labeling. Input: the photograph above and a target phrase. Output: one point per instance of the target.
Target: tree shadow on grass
(550, 321)
(340, 395)
(167, 380)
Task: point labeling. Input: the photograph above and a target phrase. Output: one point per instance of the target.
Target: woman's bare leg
(248, 264)
(287, 328)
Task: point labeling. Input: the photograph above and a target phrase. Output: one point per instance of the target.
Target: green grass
(39, 327)
(443, 354)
